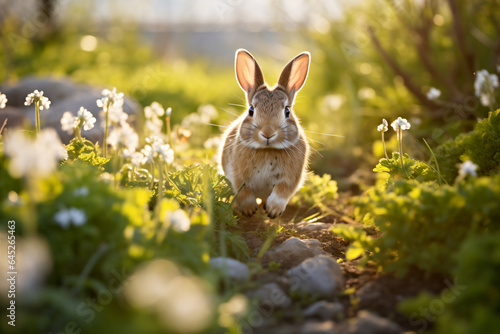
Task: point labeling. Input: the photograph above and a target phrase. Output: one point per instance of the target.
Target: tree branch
(410, 85)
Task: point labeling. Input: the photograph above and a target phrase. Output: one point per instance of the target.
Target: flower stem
(401, 151)
(79, 129)
(169, 132)
(383, 144)
(152, 175)
(37, 115)
(160, 190)
(105, 142)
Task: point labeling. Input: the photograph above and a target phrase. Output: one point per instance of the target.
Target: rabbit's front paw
(248, 208)
(275, 206)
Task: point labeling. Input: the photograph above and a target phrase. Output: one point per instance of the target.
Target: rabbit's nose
(267, 132)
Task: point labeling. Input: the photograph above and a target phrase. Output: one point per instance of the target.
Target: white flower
(467, 168)
(383, 127)
(37, 96)
(484, 86)
(124, 136)
(117, 115)
(3, 100)
(154, 109)
(110, 97)
(68, 122)
(207, 113)
(72, 215)
(81, 192)
(87, 117)
(433, 93)
(168, 112)
(154, 125)
(166, 153)
(148, 154)
(136, 159)
(401, 123)
(33, 157)
(179, 220)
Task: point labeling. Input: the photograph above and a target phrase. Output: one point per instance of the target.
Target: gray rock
(315, 246)
(310, 227)
(290, 253)
(369, 323)
(317, 327)
(64, 95)
(270, 296)
(235, 269)
(324, 310)
(319, 276)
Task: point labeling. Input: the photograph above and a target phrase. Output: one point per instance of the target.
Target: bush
(422, 224)
(481, 146)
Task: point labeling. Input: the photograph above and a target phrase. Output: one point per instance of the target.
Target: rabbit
(265, 149)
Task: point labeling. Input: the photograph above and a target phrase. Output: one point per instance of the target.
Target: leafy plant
(86, 152)
(316, 190)
(482, 146)
(414, 169)
(415, 220)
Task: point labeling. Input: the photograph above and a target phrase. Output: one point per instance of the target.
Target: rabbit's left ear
(294, 74)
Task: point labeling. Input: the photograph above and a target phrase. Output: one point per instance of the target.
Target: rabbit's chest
(264, 176)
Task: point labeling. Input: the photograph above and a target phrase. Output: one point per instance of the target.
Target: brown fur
(268, 152)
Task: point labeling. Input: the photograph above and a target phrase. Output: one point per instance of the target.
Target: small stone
(311, 227)
(235, 269)
(270, 296)
(317, 327)
(315, 246)
(324, 310)
(290, 253)
(320, 276)
(369, 323)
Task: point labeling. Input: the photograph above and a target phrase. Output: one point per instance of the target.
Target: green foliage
(316, 190)
(360, 240)
(477, 305)
(413, 169)
(201, 186)
(415, 220)
(86, 152)
(481, 146)
(472, 303)
(108, 213)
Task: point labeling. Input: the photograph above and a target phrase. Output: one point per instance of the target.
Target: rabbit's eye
(250, 111)
(287, 112)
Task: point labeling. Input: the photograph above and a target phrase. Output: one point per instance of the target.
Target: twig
(459, 34)
(410, 85)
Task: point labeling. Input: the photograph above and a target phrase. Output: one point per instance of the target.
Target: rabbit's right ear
(248, 73)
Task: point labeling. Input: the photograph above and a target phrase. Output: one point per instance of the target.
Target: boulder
(270, 296)
(290, 253)
(235, 269)
(320, 276)
(324, 310)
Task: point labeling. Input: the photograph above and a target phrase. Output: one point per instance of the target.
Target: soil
(367, 288)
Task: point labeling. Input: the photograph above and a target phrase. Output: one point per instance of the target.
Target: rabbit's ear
(248, 73)
(294, 74)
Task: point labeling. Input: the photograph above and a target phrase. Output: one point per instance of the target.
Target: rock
(270, 296)
(317, 327)
(319, 276)
(369, 323)
(235, 269)
(315, 246)
(310, 227)
(64, 95)
(290, 253)
(324, 310)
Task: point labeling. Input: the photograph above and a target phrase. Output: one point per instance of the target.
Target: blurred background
(370, 60)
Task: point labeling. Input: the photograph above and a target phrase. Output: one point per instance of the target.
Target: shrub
(481, 146)
(422, 224)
